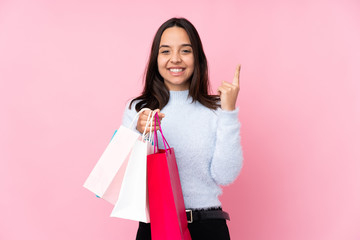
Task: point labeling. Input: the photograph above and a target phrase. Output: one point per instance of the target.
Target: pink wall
(66, 70)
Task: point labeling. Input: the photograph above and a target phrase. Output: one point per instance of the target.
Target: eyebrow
(183, 45)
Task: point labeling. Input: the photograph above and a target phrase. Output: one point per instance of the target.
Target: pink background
(68, 67)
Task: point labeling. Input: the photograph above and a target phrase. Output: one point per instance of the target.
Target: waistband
(203, 214)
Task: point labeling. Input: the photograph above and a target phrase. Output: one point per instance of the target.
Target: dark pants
(212, 229)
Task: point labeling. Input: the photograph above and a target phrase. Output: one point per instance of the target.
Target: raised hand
(143, 117)
(229, 91)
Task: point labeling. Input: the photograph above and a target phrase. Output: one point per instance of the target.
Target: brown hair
(155, 94)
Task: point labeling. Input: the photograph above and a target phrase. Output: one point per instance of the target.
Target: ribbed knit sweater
(207, 147)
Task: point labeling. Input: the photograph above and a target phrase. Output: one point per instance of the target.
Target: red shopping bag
(166, 202)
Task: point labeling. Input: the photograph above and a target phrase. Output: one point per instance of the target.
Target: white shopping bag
(133, 202)
(106, 178)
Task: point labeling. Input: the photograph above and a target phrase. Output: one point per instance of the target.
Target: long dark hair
(155, 94)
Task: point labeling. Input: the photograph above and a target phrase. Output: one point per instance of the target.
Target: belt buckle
(191, 215)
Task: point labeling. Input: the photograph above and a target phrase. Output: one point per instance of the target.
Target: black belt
(197, 215)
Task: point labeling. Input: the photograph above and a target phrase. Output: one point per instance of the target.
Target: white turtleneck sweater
(207, 147)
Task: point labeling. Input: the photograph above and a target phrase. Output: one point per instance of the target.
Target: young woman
(203, 129)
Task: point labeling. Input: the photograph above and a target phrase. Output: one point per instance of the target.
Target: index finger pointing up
(236, 80)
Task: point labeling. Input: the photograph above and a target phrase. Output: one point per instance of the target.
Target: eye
(186, 50)
(164, 51)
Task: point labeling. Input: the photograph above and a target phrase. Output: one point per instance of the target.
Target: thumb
(161, 115)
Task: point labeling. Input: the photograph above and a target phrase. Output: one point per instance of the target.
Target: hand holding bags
(167, 208)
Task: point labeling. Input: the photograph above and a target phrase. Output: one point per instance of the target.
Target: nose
(175, 58)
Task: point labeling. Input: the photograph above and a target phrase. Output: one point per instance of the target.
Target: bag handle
(148, 135)
(151, 125)
(150, 117)
(156, 141)
(146, 125)
(137, 115)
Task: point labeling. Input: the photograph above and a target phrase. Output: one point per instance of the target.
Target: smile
(176, 70)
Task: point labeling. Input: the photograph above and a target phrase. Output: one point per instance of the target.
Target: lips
(176, 71)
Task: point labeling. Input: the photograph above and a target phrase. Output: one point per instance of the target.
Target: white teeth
(176, 69)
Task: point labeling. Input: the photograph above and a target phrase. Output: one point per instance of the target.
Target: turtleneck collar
(180, 97)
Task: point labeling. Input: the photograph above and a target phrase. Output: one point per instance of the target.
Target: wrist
(228, 107)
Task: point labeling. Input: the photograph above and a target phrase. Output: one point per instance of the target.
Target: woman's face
(175, 59)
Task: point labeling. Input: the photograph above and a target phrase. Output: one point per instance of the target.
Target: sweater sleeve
(128, 116)
(228, 156)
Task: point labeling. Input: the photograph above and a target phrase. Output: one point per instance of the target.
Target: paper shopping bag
(133, 201)
(167, 209)
(106, 177)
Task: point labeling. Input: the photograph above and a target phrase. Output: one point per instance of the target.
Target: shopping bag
(167, 209)
(133, 201)
(106, 177)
